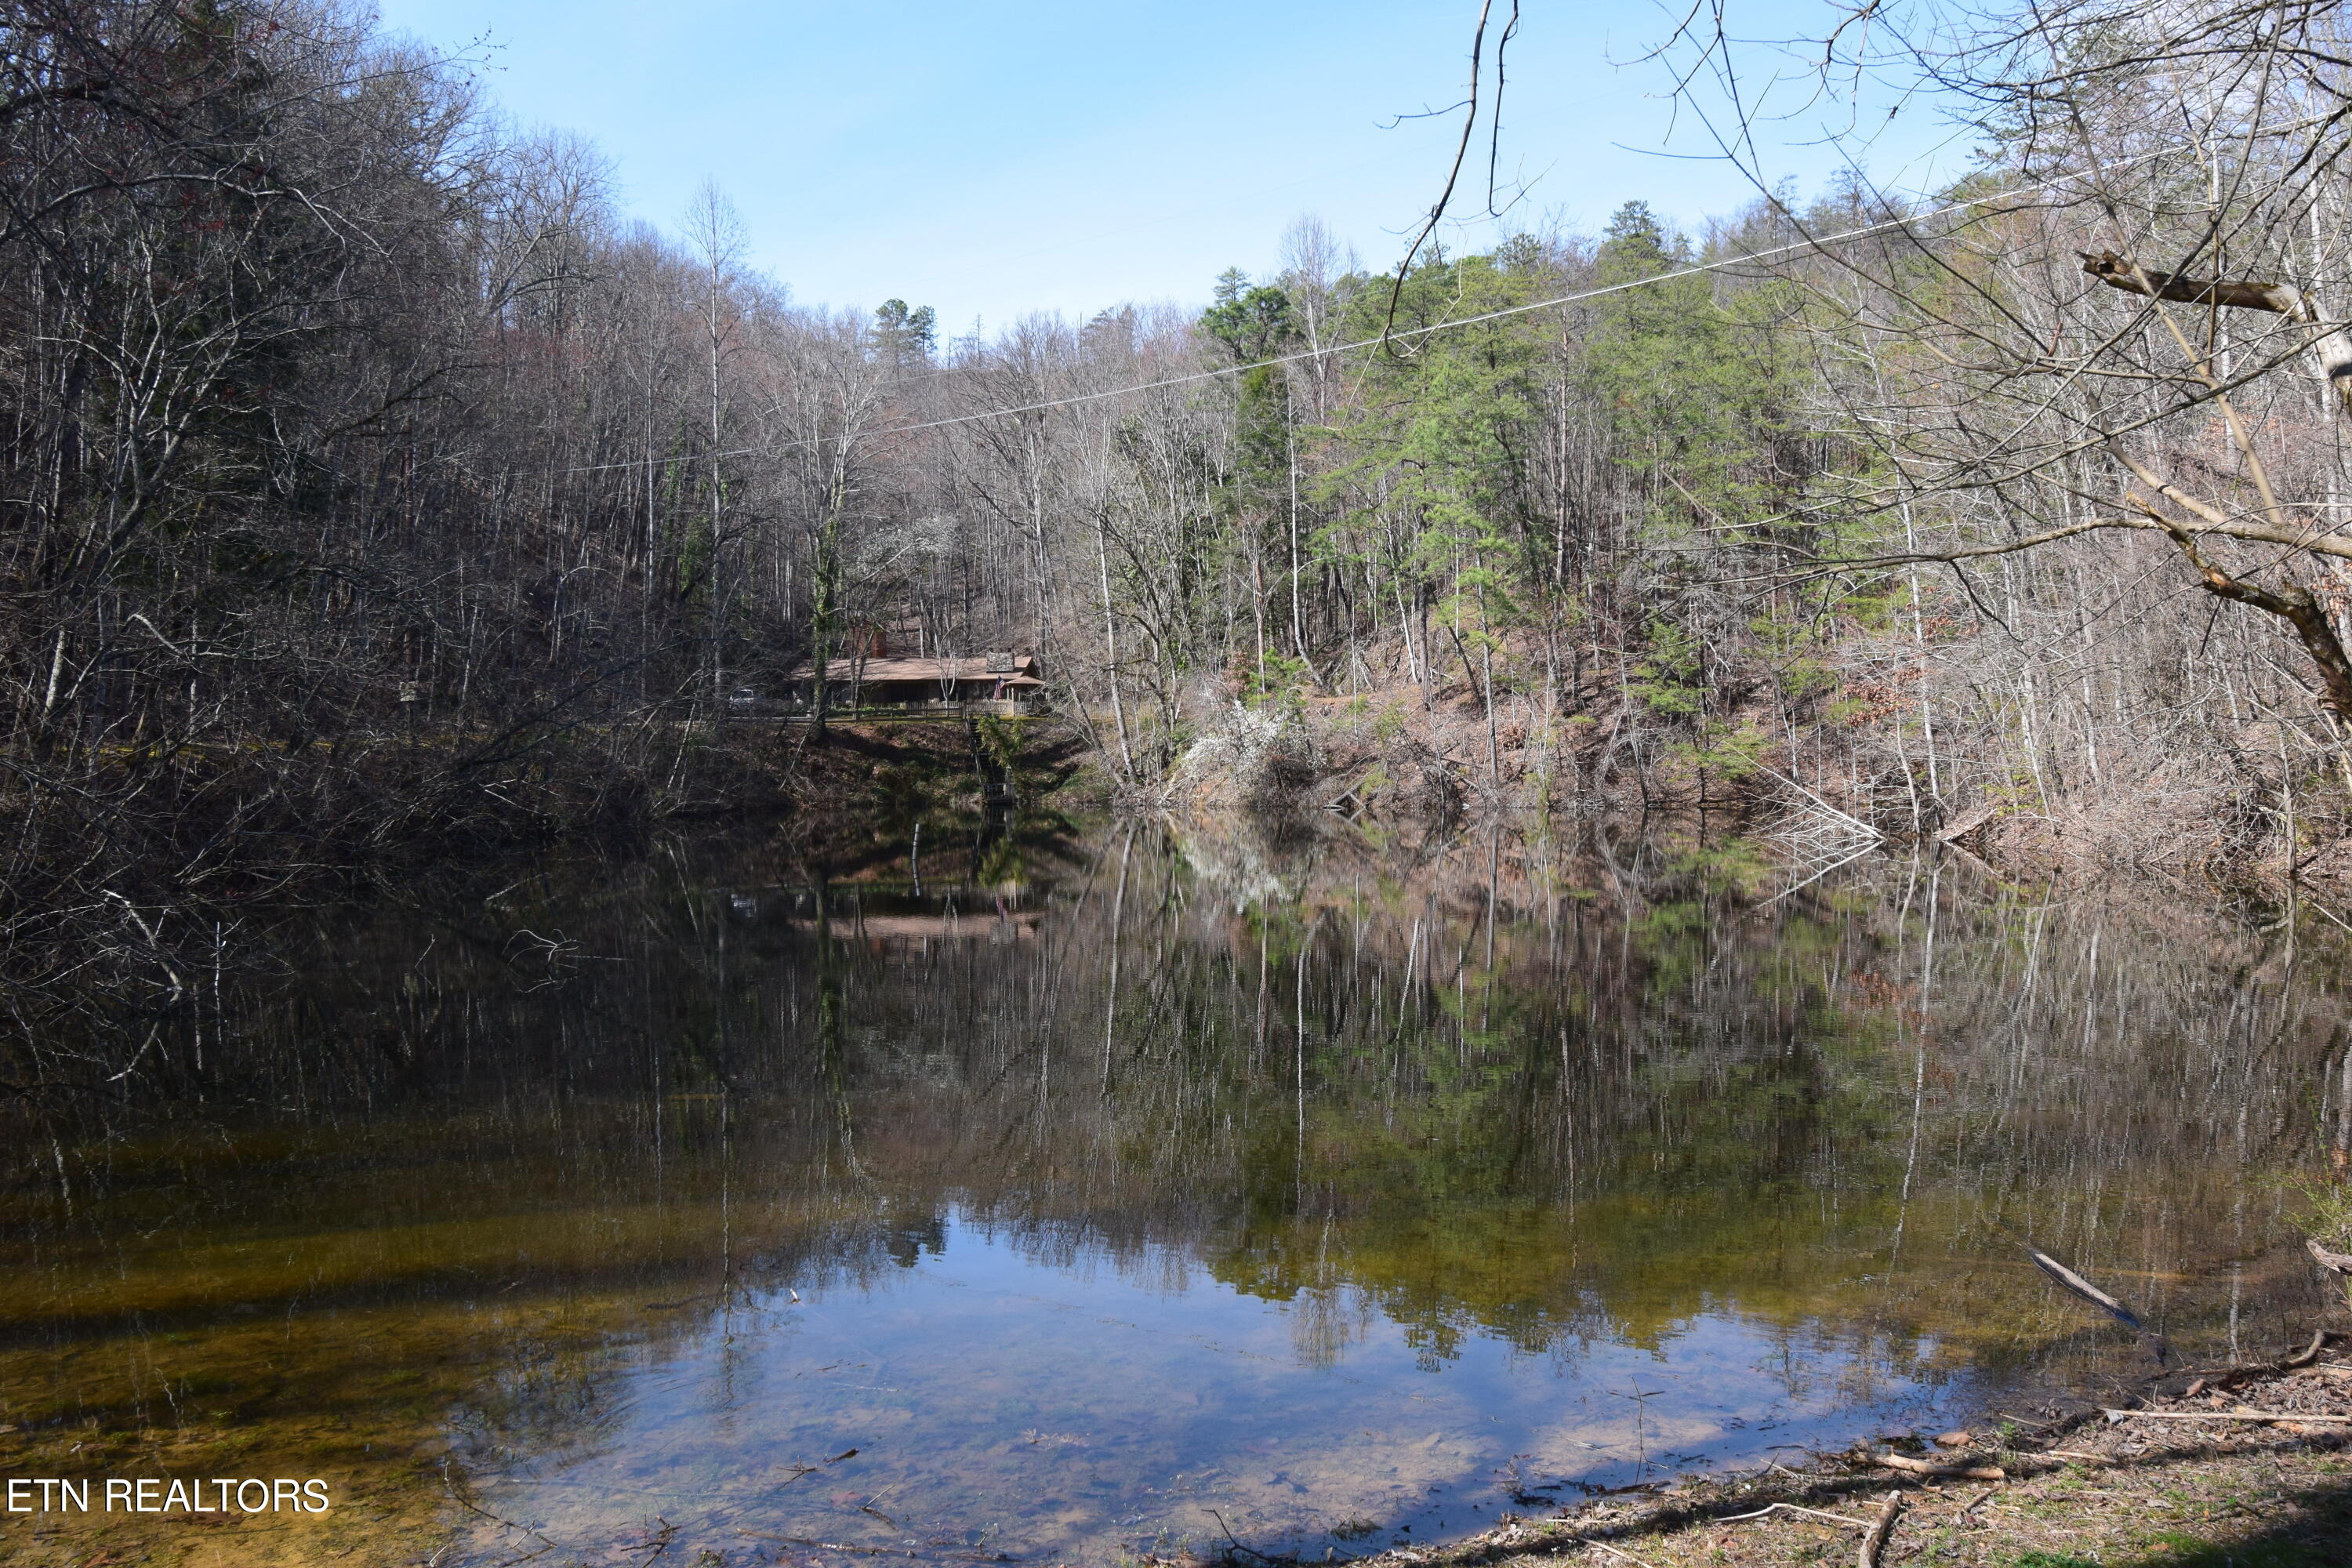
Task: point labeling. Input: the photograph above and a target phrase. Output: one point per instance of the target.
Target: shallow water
(1149, 1195)
(1079, 1407)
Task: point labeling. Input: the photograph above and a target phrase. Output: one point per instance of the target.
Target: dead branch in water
(2097, 1297)
(2081, 1287)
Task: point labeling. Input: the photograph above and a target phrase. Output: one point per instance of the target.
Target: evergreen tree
(1252, 323)
(903, 336)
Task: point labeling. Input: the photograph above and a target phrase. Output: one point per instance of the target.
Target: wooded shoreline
(378, 493)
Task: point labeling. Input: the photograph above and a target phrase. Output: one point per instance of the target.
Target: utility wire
(1196, 377)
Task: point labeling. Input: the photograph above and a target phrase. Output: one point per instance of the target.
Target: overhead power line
(1191, 378)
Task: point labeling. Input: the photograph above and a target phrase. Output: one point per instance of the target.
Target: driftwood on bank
(1875, 1541)
(2239, 1414)
(2229, 1377)
(1946, 1467)
(1771, 1508)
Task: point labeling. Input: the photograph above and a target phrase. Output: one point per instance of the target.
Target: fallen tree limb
(1792, 1508)
(2258, 1415)
(2118, 272)
(2230, 1376)
(1875, 1541)
(1970, 821)
(1910, 1465)
(1857, 823)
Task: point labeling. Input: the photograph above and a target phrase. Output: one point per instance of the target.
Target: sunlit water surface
(997, 1399)
(1148, 1197)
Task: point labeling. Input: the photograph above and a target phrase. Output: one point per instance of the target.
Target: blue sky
(990, 158)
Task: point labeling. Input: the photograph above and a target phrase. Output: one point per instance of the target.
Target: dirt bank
(1412, 764)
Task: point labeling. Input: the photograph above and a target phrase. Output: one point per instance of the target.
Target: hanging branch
(1461, 150)
(2332, 350)
(2293, 604)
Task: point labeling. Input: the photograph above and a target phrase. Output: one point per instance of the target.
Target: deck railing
(800, 709)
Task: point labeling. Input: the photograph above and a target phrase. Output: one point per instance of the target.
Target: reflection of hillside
(1489, 1090)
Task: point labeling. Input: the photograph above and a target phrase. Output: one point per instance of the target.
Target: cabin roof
(877, 671)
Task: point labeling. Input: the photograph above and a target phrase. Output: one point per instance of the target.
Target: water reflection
(1111, 1202)
(1087, 1405)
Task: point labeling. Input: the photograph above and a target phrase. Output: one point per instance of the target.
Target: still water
(1083, 1200)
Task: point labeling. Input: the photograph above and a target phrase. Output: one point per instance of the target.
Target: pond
(1077, 1201)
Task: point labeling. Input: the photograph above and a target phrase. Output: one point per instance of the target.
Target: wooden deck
(893, 714)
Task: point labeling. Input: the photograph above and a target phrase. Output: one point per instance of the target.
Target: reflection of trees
(1539, 1101)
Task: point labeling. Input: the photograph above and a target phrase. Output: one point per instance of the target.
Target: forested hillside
(372, 482)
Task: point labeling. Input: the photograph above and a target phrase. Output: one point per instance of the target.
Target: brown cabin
(1002, 682)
